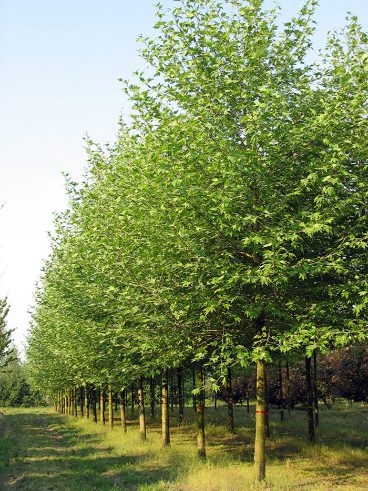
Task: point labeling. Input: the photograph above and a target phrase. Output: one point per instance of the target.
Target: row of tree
(227, 224)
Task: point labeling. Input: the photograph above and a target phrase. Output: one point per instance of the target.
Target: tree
(226, 224)
(6, 348)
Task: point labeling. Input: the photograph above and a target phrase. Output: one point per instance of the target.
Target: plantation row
(172, 390)
(227, 225)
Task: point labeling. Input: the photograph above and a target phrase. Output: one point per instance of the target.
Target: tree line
(227, 224)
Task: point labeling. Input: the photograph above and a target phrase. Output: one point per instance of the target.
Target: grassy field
(42, 450)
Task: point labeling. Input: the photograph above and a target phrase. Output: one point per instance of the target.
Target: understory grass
(43, 450)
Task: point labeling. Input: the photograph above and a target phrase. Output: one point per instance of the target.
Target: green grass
(42, 450)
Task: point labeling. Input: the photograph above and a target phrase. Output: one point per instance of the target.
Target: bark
(111, 412)
(142, 414)
(102, 406)
(194, 386)
(165, 409)
(281, 392)
(172, 393)
(315, 390)
(152, 397)
(180, 395)
(288, 387)
(268, 430)
(132, 401)
(229, 401)
(260, 439)
(94, 404)
(310, 406)
(248, 402)
(67, 404)
(75, 398)
(201, 444)
(87, 400)
(123, 411)
(82, 396)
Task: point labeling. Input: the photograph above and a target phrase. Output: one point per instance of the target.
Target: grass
(42, 450)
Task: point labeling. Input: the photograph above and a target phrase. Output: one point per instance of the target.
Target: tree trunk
(180, 395)
(94, 404)
(260, 439)
(152, 397)
(82, 396)
(165, 409)
(315, 390)
(267, 416)
(172, 393)
(229, 401)
(281, 392)
(87, 400)
(288, 388)
(310, 406)
(132, 401)
(102, 406)
(194, 399)
(75, 395)
(201, 444)
(142, 414)
(111, 409)
(123, 411)
(248, 402)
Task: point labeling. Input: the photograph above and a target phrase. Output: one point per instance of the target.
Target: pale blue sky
(59, 65)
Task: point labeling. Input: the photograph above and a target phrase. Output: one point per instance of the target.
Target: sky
(59, 68)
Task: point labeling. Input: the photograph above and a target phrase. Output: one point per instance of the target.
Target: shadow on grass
(45, 453)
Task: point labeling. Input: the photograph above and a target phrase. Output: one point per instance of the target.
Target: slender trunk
(111, 413)
(102, 406)
(194, 399)
(268, 430)
(123, 411)
(82, 396)
(94, 404)
(261, 412)
(248, 402)
(316, 409)
(215, 401)
(142, 415)
(201, 445)
(288, 387)
(180, 395)
(172, 394)
(76, 402)
(165, 409)
(87, 400)
(132, 401)
(152, 396)
(229, 401)
(281, 392)
(310, 406)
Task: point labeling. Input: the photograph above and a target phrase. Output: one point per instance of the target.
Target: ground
(43, 450)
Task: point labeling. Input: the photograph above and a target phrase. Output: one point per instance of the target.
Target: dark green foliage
(6, 348)
(14, 388)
